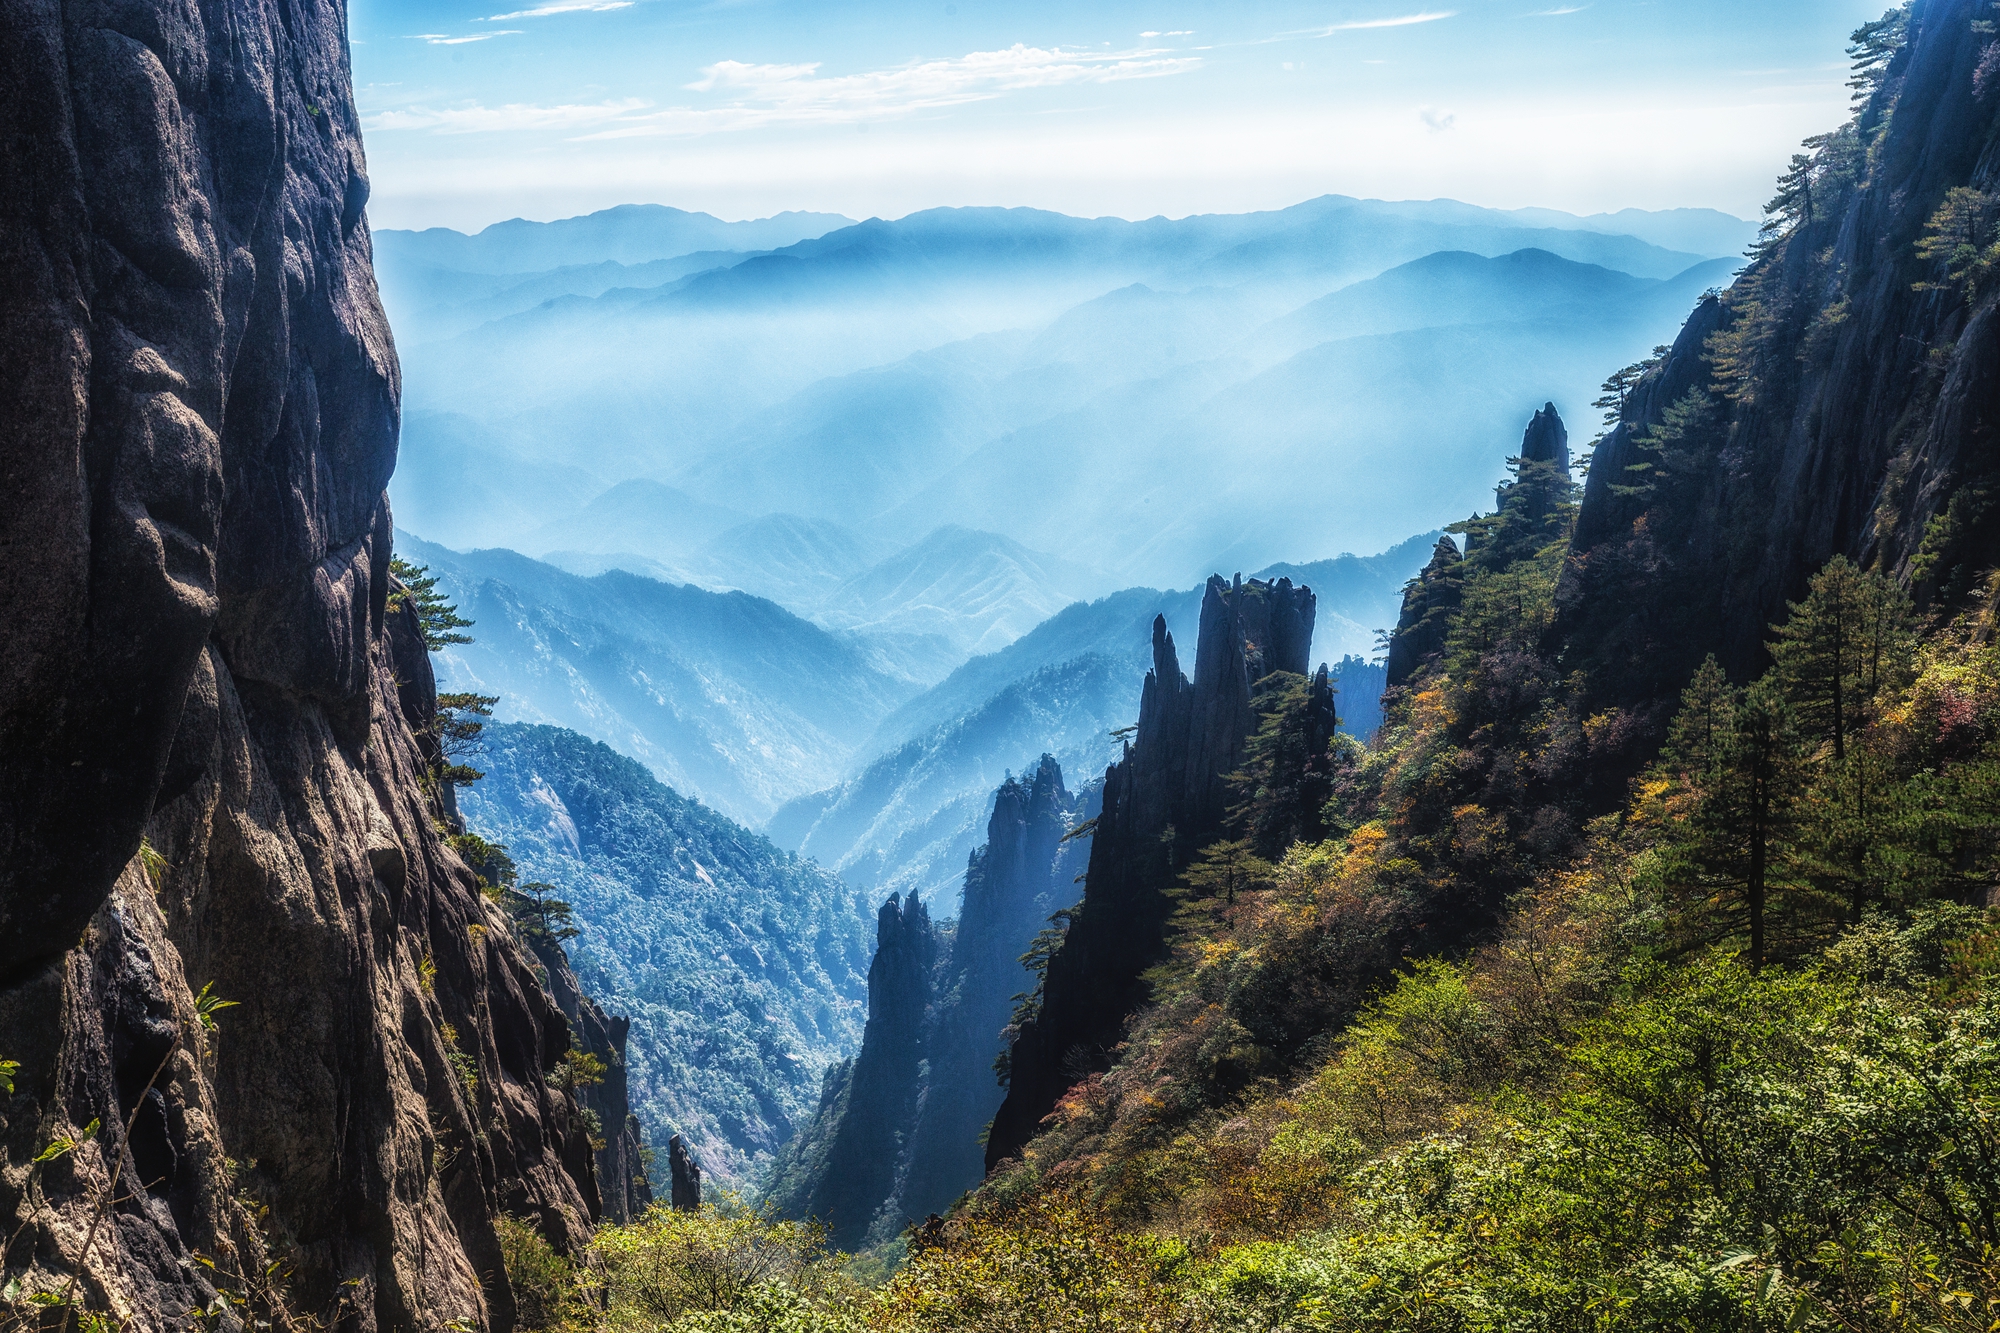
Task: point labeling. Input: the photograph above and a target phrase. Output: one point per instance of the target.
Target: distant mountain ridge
(626, 234)
(892, 375)
(946, 368)
(724, 695)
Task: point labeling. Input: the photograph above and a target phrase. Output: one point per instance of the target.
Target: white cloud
(761, 95)
(1358, 25)
(1437, 121)
(1556, 13)
(755, 95)
(566, 7)
(475, 119)
(445, 39)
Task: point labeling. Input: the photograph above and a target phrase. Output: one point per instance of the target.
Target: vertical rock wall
(197, 424)
(1162, 803)
(1024, 872)
(1842, 397)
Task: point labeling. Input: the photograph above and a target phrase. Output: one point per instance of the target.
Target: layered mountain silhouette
(721, 694)
(967, 366)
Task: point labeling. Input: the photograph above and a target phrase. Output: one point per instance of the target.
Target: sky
(476, 111)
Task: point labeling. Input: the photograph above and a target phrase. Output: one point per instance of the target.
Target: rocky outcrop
(842, 1167)
(685, 1175)
(213, 787)
(1843, 396)
(622, 1185)
(1547, 439)
(1429, 602)
(1166, 799)
(1024, 872)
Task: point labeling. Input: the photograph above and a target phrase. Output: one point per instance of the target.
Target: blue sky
(480, 111)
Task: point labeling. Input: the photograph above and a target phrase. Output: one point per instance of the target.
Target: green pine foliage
(438, 619)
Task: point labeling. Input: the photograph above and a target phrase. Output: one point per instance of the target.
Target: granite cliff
(897, 1135)
(1841, 397)
(213, 717)
(1164, 800)
(1026, 871)
(842, 1166)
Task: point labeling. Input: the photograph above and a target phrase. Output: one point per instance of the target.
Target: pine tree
(438, 619)
(1287, 774)
(1736, 760)
(1841, 648)
(1228, 868)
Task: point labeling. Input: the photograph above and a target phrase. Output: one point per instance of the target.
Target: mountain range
(1017, 372)
(871, 735)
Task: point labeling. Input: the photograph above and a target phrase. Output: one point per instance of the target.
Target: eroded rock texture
(197, 423)
(1023, 873)
(1164, 801)
(842, 1166)
(1842, 397)
(622, 1182)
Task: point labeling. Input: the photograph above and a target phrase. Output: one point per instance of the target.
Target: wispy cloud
(471, 118)
(1179, 32)
(446, 39)
(758, 95)
(798, 94)
(1404, 21)
(1556, 13)
(1435, 120)
(566, 7)
(1358, 25)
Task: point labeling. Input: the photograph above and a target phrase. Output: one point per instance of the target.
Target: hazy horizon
(474, 229)
(479, 113)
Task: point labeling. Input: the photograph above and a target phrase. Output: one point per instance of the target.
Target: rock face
(622, 1185)
(685, 1174)
(200, 416)
(842, 1167)
(931, 1128)
(1428, 603)
(1843, 396)
(1163, 801)
(1547, 439)
(1023, 874)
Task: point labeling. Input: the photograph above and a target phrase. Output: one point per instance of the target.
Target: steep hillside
(267, 1055)
(740, 966)
(1842, 397)
(726, 695)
